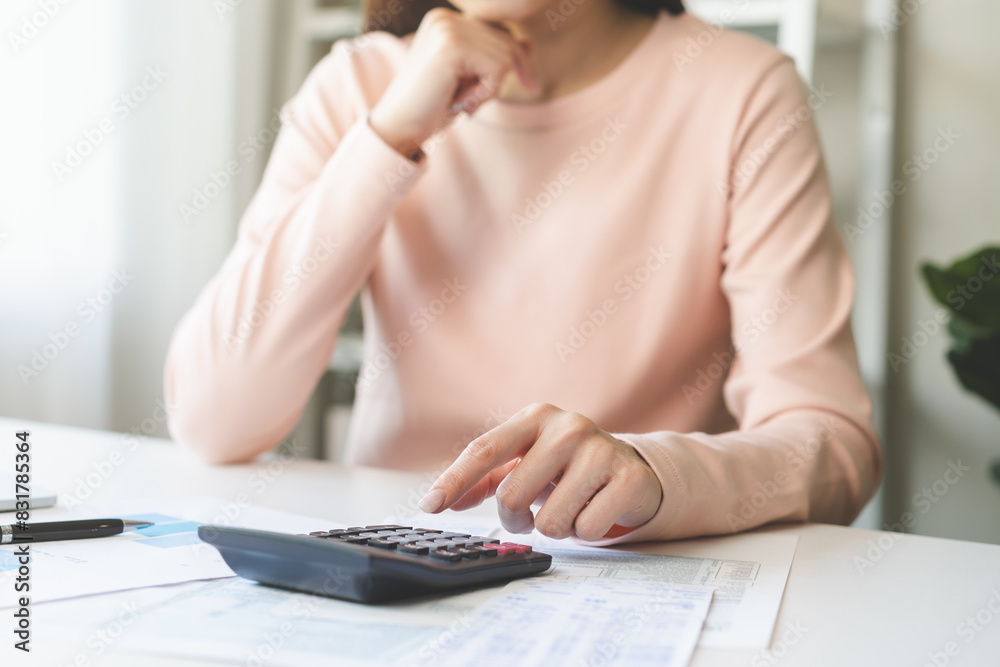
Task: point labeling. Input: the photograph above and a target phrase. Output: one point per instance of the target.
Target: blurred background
(116, 205)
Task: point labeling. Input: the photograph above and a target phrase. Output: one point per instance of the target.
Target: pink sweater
(655, 252)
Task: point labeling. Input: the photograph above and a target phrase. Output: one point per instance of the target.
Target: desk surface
(918, 595)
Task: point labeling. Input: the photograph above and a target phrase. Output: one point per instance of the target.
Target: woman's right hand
(455, 64)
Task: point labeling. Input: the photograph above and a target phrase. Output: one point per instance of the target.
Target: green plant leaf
(939, 283)
(995, 470)
(978, 368)
(970, 290)
(964, 332)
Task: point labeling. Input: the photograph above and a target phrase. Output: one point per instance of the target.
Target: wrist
(401, 142)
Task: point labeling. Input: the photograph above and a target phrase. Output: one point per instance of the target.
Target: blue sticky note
(154, 518)
(169, 528)
(8, 561)
(170, 541)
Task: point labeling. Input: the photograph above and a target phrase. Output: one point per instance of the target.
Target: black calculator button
(340, 533)
(381, 543)
(444, 554)
(426, 531)
(453, 535)
(471, 554)
(414, 549)
(354, 539)
(389, 527)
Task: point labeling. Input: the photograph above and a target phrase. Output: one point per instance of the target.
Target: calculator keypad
(424, 542)
(374, 564)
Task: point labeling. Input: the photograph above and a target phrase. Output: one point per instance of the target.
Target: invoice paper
(748, 573)
(582, 621)
(234, 620)
(165, 553)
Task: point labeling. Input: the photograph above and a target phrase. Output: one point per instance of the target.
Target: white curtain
(116, 114)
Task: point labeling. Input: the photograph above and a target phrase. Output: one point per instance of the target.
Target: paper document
(629, 623)
(167, 552)
(539, 622)
(233, 620)
(238, 621)
(747, 572)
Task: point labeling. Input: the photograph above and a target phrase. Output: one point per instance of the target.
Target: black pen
(67, 530)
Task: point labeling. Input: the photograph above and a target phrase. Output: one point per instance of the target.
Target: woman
(609, 207)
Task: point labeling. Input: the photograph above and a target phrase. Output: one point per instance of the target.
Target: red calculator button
(486, 550)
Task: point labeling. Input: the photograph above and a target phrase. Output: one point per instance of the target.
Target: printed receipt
(575, 622)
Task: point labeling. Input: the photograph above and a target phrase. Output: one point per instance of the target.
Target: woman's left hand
(587, 482)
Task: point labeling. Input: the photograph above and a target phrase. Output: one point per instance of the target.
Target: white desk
(908, 604)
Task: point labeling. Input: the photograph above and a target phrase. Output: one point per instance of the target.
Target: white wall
(177, 147)
(949, 78)
(61, 240)
(837, 69)
(59, 81)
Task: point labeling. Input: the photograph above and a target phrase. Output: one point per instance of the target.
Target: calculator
(373, 564)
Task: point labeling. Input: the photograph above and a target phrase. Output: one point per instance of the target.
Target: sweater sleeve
(244, 360)
(805, 449)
